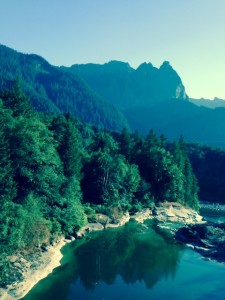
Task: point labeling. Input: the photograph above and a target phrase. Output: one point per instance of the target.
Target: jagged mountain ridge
(61, 89)
(152, 98)
(126, 87)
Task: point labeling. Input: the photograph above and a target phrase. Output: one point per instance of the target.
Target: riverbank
(33, 271)
(42, 263)
(172, 212)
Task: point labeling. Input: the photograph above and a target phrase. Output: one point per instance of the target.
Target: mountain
(54, 90)
(175, 118)
(152, 98)
(115, 95)
(125, 87)
(216, 102)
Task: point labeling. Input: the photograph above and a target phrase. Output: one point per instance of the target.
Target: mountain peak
(145, 67)
(165, 65)
(126, 87)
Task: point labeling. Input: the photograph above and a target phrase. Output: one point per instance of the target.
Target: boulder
(69, 237)
(175, 212)
(207, 239)
(95, 227)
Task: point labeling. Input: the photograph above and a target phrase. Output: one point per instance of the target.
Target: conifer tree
(125, 143)
(7, 190)
(70, 150)
(69, 145)
(7, 185)
(190, 189)
(16, 100)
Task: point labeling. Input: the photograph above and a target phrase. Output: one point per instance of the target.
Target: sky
(190, 34)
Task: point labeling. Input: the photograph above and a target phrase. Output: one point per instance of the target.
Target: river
(132, 262)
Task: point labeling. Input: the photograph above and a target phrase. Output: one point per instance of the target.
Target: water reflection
(133, 252)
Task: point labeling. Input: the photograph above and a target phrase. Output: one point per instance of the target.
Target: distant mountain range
(216, 102)
(156, 98)
(114, 95)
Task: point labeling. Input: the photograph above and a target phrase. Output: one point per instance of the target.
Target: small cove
(131, 262)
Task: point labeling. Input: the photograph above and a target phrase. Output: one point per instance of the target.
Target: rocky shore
(167, 212)
(207, 239)
(28, 270)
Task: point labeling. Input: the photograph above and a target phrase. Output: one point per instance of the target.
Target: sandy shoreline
(49, 261)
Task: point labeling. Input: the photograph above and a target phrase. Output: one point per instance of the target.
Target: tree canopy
(52, 167)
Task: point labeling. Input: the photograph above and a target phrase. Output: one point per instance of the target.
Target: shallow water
(132, 262)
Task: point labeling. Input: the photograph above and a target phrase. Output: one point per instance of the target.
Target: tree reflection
(134, 252)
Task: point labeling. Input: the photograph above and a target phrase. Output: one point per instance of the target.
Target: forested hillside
(209, 167)
(64, 156)
(52, 89)
(114, 96)
(174, 118)
(57, 172)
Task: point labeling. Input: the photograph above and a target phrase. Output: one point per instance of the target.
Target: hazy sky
(188, 33)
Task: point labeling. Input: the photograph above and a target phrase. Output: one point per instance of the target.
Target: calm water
(130, 263)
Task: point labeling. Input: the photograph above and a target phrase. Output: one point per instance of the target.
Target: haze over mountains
(115, 95)
(216, 102)
(156, 98)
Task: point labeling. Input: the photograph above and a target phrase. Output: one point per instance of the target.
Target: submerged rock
(207, 239)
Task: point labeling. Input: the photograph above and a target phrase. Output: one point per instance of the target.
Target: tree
(160, 171)
(16, 100)
(70, 146)
(36, 162)
(70, 149)
(7, 185)
(35, 229)
(151, 140)
(190, 190)
(72, 216)
(110, 180)
(125, 143)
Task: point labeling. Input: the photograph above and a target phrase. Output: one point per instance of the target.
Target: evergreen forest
(56, 172)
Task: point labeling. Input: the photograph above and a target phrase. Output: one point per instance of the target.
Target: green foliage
(36, 230)
(169, 175)
(16, 100)
(55, 90)
(69, 145)
(72, 215)
(108, 178)
(7, 185)
(51, 165)
(5, 265)
(125, 143)
(190, 190)
(209, 167)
